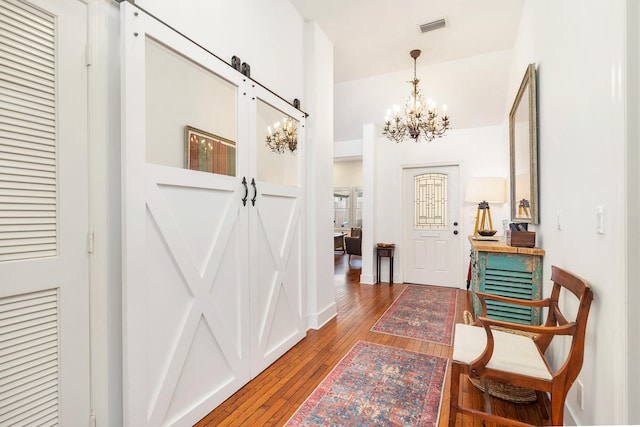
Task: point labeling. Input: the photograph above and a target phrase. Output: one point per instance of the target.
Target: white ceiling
(374, 37)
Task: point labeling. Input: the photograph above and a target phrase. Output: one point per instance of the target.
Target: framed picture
(207, 152)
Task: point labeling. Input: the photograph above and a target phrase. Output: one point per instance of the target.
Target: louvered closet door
(44, 298)
(185, 266)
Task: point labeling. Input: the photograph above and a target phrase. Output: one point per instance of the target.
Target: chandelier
(421, 121)
(284, 137)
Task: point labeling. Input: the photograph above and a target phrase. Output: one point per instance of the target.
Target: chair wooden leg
(542, 402)
(557, 407)
(454, 395)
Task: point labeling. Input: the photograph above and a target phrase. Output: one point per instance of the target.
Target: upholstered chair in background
(353, 243)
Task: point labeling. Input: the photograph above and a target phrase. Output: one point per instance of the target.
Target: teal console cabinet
(499, 269)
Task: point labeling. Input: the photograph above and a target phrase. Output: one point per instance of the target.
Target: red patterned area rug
(424, 313)
(377, 385)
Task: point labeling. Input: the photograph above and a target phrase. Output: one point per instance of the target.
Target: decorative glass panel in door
(430, 198)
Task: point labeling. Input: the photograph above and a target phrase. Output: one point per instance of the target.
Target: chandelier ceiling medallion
(421, 122)
(283, 137)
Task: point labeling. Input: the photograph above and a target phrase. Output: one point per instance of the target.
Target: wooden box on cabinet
(510, 271)
(525, 239)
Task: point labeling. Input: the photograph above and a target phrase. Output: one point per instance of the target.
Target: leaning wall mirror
(523, 150)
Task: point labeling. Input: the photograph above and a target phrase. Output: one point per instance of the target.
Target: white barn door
(44, 281)
(185, 277)
(275, 242)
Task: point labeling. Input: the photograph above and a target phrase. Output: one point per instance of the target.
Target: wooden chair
(484, 353)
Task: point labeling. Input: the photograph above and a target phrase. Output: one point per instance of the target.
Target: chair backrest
(581, 289)
(356, 232)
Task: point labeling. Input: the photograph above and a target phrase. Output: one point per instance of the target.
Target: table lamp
(483, 190)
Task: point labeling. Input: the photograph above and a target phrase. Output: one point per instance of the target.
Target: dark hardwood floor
(272, 397)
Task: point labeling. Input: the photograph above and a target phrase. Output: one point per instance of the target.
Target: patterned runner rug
(424, 313)
(377, 385)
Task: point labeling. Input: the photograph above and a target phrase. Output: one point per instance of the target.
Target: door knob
(455, 232)
(455, 224)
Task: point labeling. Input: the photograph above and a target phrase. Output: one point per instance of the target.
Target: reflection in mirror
(274, 167)
(523, 150)
(187, 96)
(209, 153)
(284, 136)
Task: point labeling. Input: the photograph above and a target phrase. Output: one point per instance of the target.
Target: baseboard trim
(318, 320)
(367, 279)
(569, 419)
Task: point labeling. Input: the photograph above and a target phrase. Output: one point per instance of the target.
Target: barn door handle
(246, 191)
(255, 192)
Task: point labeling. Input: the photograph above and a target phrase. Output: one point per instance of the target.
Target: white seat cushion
(511, 352)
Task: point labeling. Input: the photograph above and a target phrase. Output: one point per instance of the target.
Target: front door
(44, 285)
(431, 237)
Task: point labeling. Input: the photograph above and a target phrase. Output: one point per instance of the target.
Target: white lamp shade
(486, 189)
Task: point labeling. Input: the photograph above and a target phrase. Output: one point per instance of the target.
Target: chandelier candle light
(283, 137)
(421, 121)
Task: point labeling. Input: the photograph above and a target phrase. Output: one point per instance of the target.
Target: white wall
(104, 170)
(268, 35)
(579, 49)
(319, 201)
(472, 87)
(348, 149)
(479, 152)
(347, 174)
(633, 207)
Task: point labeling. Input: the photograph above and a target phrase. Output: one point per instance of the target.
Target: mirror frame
(527, 86)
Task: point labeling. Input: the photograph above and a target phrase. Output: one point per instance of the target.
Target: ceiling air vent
(434, 25)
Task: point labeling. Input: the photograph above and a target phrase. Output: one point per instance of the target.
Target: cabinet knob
(455, 232)
(455, 224)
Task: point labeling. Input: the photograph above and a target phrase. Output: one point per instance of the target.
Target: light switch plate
(600, 219)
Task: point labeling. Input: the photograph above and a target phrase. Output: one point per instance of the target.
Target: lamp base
(483, 218)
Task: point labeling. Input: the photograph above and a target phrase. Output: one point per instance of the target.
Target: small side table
(385, 251)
